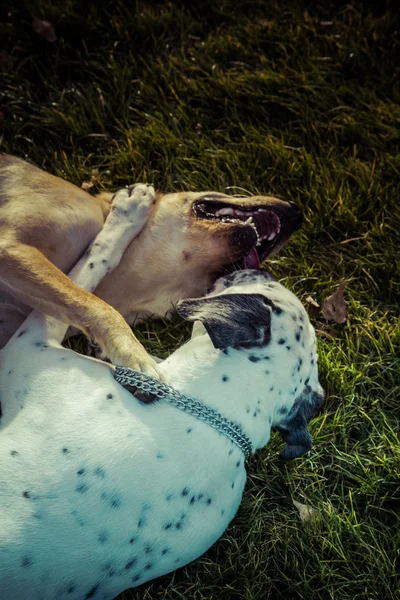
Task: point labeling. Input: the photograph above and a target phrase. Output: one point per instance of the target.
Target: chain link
(161, 390)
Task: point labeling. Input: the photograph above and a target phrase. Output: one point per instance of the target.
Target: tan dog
(46, 224)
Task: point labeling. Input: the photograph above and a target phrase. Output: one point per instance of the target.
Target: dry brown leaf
(334, 308)
(306, 513)
(94, 178)
(44, 29)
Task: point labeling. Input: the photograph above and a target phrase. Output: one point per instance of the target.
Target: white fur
(99, 492)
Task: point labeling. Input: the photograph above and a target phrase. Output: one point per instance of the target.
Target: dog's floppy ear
(231, 320)
(294, 430)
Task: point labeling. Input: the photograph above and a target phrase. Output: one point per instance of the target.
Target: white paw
(134, 203)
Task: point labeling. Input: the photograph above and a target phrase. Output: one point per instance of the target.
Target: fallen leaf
(94, 178)
(45, 30)
(306, 513)
(334, 308)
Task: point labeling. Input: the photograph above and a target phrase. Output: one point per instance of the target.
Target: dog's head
(261, 324)
(190, 239)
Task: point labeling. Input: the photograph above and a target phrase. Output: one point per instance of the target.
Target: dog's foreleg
(31, 277)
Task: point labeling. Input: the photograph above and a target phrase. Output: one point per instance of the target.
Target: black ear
(231, 320)
(294, 430)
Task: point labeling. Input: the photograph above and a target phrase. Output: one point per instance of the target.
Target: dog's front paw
(144, 364)
(134, 203)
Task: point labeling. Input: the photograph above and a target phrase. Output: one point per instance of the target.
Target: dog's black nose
(295, 206)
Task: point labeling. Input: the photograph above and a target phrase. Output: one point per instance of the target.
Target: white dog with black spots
(100, 492)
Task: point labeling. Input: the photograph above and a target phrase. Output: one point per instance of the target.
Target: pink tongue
(251, 261)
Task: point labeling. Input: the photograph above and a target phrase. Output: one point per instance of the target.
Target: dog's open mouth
(265, 223)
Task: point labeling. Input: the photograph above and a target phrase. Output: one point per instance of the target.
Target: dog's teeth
(249, 221)
(225, 211)
(271, 236)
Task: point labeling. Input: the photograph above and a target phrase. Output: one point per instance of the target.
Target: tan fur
(47, 223)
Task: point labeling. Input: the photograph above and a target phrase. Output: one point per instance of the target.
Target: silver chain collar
(233, 431)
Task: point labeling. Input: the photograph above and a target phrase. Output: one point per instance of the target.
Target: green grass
(265, 97)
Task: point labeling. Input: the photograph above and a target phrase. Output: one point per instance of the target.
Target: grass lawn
(299, 99)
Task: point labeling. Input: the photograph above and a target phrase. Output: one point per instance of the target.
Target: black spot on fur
(298, 336)
(288, 347)
(91, 265)
(209, 501)
(108, 568)
(307, 381)
(253, 358)
(136, 578)
(230, 452)
(185, 491)
(281, 341)
(131, 563)
(189, 430)
(99, 472)
(159, 455)
(233, 484)
(65, 450)
(81, 472)
(14, 453)
(82, 488)
(91, 593)
(267, 372)
(164, 552)
(148, 567)
(271, 389)
(110, 396)
(113, 499)
(132, 540)
(26, 495)
(192, 500)
(254, 414)
(178, 525)
(103, 537)
(26, 561)
(10, 371)
(167, 526)
(225, 378)
(104, 262)
(21, 333)
(41, 345)
(238, 463)
(283, 410)
(70, 588)
(148, 549)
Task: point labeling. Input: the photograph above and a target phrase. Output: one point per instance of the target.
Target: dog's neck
(221, 380)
